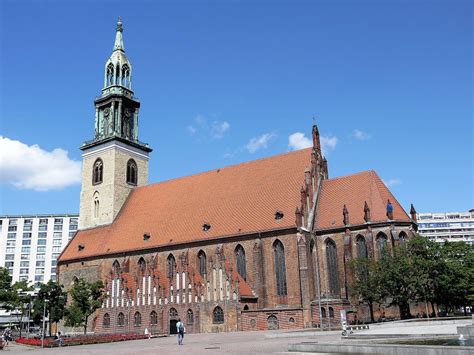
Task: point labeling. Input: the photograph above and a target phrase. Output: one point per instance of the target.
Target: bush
(83, 339)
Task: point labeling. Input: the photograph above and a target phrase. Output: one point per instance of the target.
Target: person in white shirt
(181, 330)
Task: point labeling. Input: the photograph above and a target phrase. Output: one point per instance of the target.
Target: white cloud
(297, 141)
(360, 135)
(260, 142)
(328, 143)
(219, 128)
(30, 167)
(392, 182)
(203, 130)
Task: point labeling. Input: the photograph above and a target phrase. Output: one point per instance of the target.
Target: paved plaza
(263, 342)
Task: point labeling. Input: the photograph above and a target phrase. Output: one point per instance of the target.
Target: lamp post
(44, 319)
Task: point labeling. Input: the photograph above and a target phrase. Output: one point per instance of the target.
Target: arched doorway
(173, 321)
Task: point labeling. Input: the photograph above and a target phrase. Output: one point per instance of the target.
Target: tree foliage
(86, 298)
(52, 293)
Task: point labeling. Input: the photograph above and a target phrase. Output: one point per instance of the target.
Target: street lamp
(44, 319)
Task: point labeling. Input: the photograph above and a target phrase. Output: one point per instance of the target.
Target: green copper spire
(118, 46)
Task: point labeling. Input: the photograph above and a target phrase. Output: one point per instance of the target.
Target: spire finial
(118, 45)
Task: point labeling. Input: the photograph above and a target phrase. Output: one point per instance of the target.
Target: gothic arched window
(171, 266)
(137, 319)
(331, 312)
(333, 275)
(125, 75)
(173, 313)
(189, 317)
(202, 260)
(361, 247)
(323, 312)
(153, 318)
(131, 172)
(96, 205)
(121, 319)
(106, 321)
(402, 237)
(272, 322)
(110, 75)
(141, 265)
(116, 267)
(218, 315)
(280, 268)
(381, 243)
(241, 262)
(97, 172)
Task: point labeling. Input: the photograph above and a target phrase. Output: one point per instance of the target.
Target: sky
(389, 84)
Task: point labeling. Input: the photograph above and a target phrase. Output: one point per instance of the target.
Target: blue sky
(389, 83)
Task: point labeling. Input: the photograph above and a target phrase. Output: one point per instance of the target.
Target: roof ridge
(354, 174)
(224, 167)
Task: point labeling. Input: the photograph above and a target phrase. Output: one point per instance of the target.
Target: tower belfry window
(97, 172)
(131, 172)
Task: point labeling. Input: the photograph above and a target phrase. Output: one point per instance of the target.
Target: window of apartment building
(39, 271)
(12, 228)
(23, 278)
(13, 222)
(73, 227)
(11, 236)
(24, 271)
(25, 257)
(10, 250)
(39, 278)
(43, 227)
(58, 221)
(26, 242)
(27, 235)
(57, 235)
(57, 241)
(43, 221)
(41, 249)
(10, 257)
(53, 270)
(28, 225)
(11, 243)
(71, 234)
(55, 255)
(42, 241)
(42, 235)
(40, 256)
(26, 249)
(58, 227)
(24, 263)
(40, 263)
(57, 249)
(9, 264)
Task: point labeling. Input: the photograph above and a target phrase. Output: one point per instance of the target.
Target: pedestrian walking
(181, 330)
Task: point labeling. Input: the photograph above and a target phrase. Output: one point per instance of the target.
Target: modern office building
(30, 245)
(451, 226)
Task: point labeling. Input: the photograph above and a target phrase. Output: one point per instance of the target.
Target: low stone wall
(272, 319)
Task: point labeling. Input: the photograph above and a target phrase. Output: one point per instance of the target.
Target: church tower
(115, 161)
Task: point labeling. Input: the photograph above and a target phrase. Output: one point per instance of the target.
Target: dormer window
(279, 215)
(80, 247)
(206, 226)
(146, 236)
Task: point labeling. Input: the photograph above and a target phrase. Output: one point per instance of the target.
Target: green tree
(86, 298)
(20, 300)
(55, 306)
(5, 288)
(366, 285)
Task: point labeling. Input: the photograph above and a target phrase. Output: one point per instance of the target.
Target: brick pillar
(347, 258)
(370, 243)
(304, 279)
(258, 273)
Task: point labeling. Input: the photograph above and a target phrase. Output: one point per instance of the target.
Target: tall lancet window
(240, 257)
(333, 275)
(132, 172)
(125, 76)
(202, 262)
(97, 172)
(381, 242)
(96, 205)
(171, 266)
(280, 268)
(361, 247)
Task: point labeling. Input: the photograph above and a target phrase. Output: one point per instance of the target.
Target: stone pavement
(263, 342)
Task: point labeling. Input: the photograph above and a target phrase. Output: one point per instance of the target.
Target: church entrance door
(173, 329)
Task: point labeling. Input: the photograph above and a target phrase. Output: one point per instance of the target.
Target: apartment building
(30, 245)
(450, 226)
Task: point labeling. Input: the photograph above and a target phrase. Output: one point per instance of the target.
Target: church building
(258, 245)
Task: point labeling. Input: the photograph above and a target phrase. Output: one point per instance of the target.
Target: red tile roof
(239, 199)
(353, 191)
